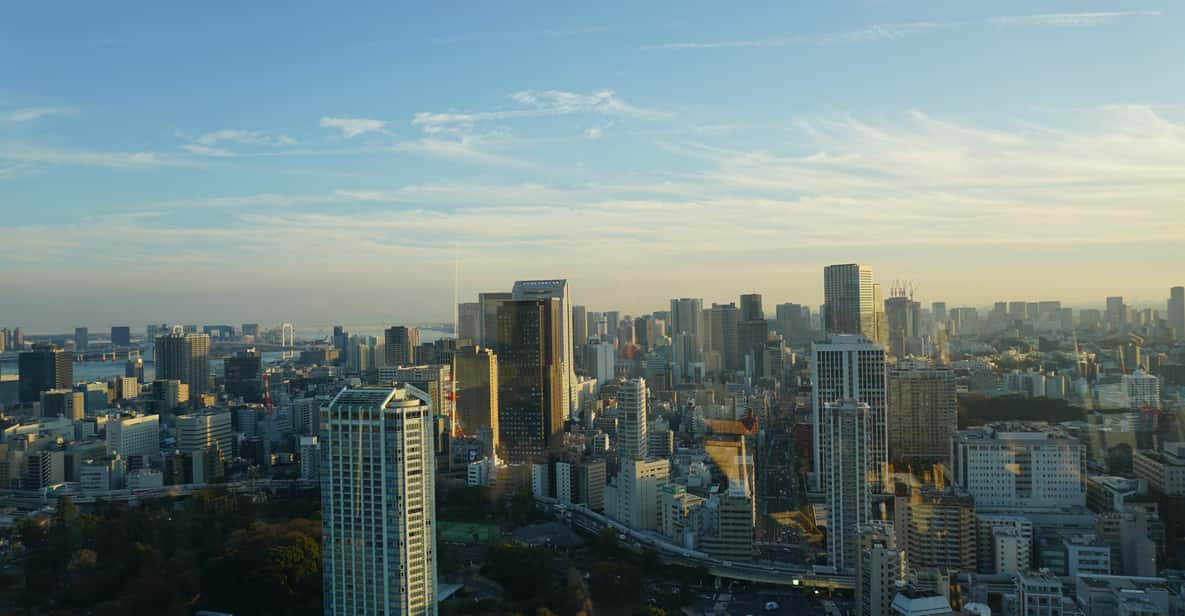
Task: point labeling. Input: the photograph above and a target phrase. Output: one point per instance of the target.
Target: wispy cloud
(875, 32)
(34, 154)
(351, 127)
(244, 137)
(1069, 19)
(473, 136)
(896, 31)
(536, 103)
(213, 143)
(30, 114)
(205, 150)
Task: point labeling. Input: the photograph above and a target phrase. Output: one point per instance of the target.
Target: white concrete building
(638, 485)
(1012, 467)
(134, 436)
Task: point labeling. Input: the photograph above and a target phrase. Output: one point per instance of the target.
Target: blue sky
(221, 162)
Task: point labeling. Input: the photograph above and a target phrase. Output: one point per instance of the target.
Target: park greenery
(213, 550)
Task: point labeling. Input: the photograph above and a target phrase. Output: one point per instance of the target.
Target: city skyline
(579, 142)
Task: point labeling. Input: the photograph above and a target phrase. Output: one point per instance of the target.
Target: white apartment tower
(377, 502)
(844, 448)
(631, 407)
(849, 367)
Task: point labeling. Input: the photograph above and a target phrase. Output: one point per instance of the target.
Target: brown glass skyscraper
(530, 392)
(45, 367)
(476, 371)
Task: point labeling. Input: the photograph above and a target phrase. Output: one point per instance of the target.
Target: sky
(315, 163)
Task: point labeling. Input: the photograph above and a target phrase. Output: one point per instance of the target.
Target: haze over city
(156, 161)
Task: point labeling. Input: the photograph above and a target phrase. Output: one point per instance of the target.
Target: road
(765, 572)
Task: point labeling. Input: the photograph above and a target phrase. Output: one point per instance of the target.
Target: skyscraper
(687, 318)
(476, 371)
(400, 345)
(903, 317)
(794, 322)
(848, 300)
(722, 322)
(186, 358)
(82, 338)
(41, 369)
(557, 290)
(1176, 311)
(925, 412)
(1116, 313)
(469, 322)
(850, 367)
(378, 505)
(530, 394)
(844, 448)
(489, 303)
(632, 416)
(243, 375)
(579, 327)
(121, 336)
(751, 307)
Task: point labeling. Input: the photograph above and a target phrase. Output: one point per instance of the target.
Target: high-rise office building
(722, 323)
(1116, 314)
(134, 436)
(879, 570)
(469, 322)
(794, 322)
(844, 447)
(1176, 311)
(639, 486)
(530, 394)
(751, 309)
(579, 327)
(848, 302)
(851, 367)
(43, 368)
(939, 312)
(121, 336)
(632, 419)
(600, 361)
(82, 338)
(489, 303)
(186, 358)
(925, 412)
(687, 317)
(208, 429)
(903, 317)
(400, 344)
(243, 375)
(476, 370)
(378, 506)
(557, 290)
(752, 333)
(64, 403)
